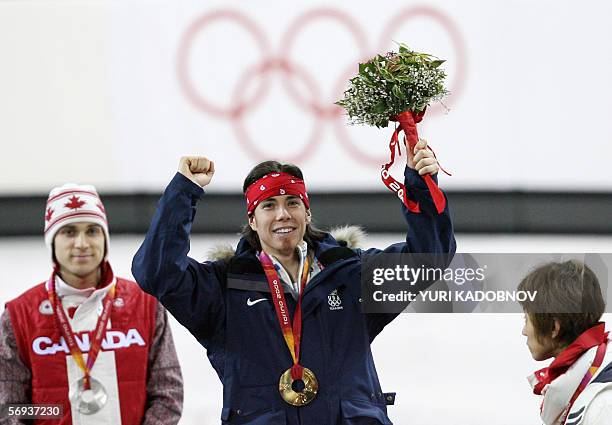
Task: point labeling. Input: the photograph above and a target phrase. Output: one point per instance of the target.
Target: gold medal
(298, 398)
(292, 334)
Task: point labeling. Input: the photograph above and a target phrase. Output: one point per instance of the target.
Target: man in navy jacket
(317, 340)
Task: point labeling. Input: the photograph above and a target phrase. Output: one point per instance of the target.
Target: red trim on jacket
(49, 373)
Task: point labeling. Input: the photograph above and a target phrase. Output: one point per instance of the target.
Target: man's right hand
(198, 169)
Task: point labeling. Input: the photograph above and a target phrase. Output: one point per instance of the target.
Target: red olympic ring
(183, 59)
(327, 109)
(287, 68)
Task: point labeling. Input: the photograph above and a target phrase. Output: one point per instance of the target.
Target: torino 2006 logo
(280, 64)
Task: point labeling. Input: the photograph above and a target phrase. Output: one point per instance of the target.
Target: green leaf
(403, 48)
(362, 68)
(380, 107)
(366, 77)
(397, 92)
(387, 75)
(403, 78)
(436, 63)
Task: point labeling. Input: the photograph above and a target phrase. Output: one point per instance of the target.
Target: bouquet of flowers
(397, 87)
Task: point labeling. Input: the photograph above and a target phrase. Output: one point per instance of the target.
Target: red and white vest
(121, 365)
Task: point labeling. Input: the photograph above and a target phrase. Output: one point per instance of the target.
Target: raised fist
(198, 169)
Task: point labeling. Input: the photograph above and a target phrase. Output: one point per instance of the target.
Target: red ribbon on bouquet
(407, 123)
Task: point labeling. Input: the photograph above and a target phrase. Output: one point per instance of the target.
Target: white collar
(302, 251)
(63, 289)
(558, 393)
(294, 287)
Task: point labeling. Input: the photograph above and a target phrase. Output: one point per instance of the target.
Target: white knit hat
(73, 203)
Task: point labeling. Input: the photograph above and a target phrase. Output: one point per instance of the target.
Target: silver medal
(92, 400)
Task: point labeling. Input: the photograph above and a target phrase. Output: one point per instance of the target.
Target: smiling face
(79, 250)
(280, 223)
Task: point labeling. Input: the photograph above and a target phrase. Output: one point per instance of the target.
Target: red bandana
(275, 184)
(591, 338)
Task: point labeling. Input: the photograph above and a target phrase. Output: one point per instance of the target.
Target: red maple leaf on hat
(74, 203)
(101, 207)
(49, 214)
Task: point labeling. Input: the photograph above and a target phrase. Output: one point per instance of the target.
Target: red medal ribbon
(292, 334)
(68, 334)
(407, 123)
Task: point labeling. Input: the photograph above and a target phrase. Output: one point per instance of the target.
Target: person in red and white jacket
(85, 339)
(562, 322)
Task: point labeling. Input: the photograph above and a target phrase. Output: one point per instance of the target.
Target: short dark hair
(567, 292)
(312, 234)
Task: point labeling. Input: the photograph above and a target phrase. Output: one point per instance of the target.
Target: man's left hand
(422, 159)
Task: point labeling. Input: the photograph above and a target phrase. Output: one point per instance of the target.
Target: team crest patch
(334, 300)
(46, 308)
(118, 302)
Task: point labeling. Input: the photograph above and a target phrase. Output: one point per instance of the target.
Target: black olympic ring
(287, 68)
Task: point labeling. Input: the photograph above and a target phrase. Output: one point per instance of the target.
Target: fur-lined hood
(349, 236)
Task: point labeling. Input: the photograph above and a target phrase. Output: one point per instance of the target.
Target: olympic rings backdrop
(113, 93)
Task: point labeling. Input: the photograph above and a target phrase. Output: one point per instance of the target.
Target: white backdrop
(113, 92)
(460, 369)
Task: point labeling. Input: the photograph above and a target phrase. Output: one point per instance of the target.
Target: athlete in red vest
(84, 339)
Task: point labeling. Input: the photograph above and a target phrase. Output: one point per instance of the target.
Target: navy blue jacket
(245, 344)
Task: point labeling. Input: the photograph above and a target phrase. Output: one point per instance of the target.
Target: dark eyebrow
(272, 200)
